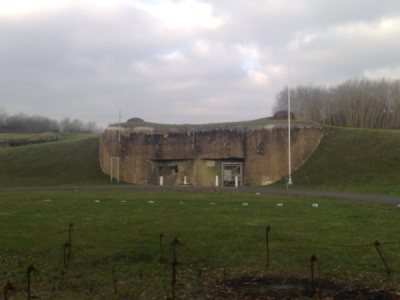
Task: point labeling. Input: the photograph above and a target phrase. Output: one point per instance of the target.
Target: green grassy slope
(73, 160)
(355, 160)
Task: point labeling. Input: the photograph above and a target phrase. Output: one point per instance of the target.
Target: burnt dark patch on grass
(293, 288)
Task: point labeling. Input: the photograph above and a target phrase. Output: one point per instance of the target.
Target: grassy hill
(354, 160)
(137, 122)
(72, 160)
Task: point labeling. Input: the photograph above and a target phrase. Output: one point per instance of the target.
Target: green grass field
(120, 229)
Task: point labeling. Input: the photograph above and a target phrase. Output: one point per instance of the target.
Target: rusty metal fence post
(267, 231)
(377, 246)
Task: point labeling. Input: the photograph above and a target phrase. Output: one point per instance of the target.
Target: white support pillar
(216, 180)
(236, 181)
(161, 180)
(184, 180)
(114, 163)
(118, 169)
(111, 168)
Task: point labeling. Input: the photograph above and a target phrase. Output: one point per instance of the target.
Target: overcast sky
(188, 61)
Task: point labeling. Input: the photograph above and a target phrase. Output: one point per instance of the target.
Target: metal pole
(289, 142)
(313, 260)
(119, 125)
(111, 168)
(377, 247)
(267, 230)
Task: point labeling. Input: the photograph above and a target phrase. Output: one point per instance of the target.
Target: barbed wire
(194, 254)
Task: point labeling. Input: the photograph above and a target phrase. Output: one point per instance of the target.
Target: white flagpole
(289, 142)
(119, 125)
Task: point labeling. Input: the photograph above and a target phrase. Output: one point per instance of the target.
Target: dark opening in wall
(168, 170)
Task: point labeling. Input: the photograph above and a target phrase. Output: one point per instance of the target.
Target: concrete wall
(198, 153)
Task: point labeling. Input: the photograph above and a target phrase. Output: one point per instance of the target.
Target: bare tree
(3, 118)
(26, 123)
(355, 103)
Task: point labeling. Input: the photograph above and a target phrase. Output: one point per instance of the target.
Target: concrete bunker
(205, 155)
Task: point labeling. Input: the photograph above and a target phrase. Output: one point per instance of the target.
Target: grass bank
(353, 160)
(257, 122)
(17, 135)
(72, 160)
(221, 237)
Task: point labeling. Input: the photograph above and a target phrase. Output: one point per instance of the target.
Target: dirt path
(339, 195)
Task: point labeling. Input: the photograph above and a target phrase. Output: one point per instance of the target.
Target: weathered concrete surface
(144, 154)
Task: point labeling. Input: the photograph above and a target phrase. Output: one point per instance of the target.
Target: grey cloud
(88, 64)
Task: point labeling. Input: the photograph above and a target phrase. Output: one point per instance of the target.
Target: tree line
(36, 123)
(362, 103)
